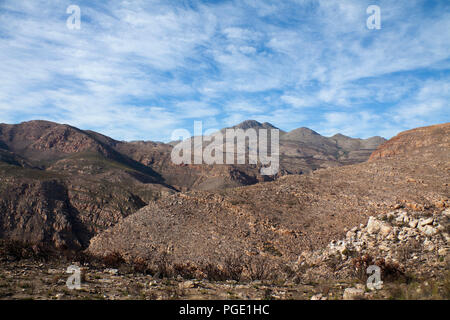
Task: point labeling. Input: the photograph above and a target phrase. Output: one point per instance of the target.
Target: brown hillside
(424, 140)
(278, 220)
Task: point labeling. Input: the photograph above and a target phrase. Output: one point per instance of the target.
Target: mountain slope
(424, 140)
(63, 185)
(279, 220)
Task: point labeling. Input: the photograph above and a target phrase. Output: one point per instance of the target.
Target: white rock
(446, 212)
(413, 223)
(186, 284)
(428, 230)
(353, 294)
(385, 229)
(447, 237)
(317, 297)
(360, 286)
(373, 225)
(350, 235)
(428, 245)
(399, 219)
(111, 271)
(425, 222)
(53, 271)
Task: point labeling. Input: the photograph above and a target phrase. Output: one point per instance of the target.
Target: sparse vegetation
(389, 271)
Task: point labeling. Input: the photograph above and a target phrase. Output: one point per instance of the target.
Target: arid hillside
(277, 221)
(425, 142)
(61, 185)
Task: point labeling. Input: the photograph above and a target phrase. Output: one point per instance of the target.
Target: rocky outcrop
(276, 220)
(39, 212)
(424, 140)
(415, 242)
(61, 185)
(63, 212)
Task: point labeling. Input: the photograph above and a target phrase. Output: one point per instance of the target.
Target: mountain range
(279, 220)
(62, 185)
(337, 205)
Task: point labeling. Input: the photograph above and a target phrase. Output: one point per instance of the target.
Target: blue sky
(137, 70)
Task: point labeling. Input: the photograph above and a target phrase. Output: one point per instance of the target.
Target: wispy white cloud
(139, 69)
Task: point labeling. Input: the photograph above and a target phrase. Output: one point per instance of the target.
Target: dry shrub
(389, 271)
(164, 265)
(261, 268)
(185, 270)
(257, 268)
(16, 250)
(139, 265)
(233, 267)
(212, 272)
(406, 251)
(113, 260)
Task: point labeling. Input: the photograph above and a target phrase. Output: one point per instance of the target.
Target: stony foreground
(30, 280)
(411, 248)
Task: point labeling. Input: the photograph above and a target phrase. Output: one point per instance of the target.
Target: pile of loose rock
(416, 241)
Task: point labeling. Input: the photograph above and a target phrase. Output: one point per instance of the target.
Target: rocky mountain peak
(253, 124)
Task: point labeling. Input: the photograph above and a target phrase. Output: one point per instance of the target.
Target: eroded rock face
(60, 185)
(56, 212)
(422, 140)
(42, 214)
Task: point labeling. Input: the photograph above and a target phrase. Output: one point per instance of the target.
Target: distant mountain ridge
(253, 124)
(303, 150)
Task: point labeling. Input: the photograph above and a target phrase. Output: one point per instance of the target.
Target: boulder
(385, 229)
(373, 225)
(428, 230)
(425, 222)
(413, 223)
